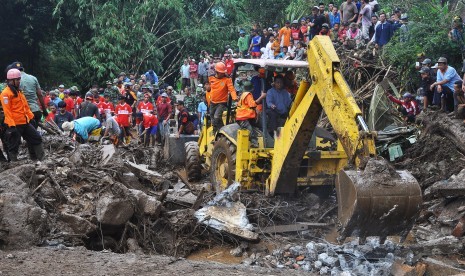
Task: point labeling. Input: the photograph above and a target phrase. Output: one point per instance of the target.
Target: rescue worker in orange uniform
(18, 118)
(245, 113)
(221, 88)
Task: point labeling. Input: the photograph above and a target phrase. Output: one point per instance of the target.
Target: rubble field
(92, 208)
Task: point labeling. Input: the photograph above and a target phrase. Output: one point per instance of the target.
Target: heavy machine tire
(193, 163)
(223, 165)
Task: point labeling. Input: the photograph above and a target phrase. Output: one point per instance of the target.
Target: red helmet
(220, 67)
(13, 74)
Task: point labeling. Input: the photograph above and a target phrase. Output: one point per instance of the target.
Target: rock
(133, 246)
(22, 222)
(324, 270)
(327, 260)
(248, 262)
(10, 256)
(459, 229)
(77, 225)
(296, 250)
(300, 258)
(236, 252)
(317, 264)
(114, 211)
(146, 205)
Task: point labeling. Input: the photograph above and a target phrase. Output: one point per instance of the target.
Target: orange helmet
(220, 67)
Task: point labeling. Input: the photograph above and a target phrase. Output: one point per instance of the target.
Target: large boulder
(113, 210)
(22, 222)
(146, 205)
(77, 225)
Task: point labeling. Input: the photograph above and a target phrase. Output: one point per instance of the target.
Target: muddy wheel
(193, 164)
(223, 165)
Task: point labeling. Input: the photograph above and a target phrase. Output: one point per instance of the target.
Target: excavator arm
(377, 201)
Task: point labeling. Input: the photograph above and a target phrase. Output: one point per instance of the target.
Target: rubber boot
(39, 151)
(32, 152)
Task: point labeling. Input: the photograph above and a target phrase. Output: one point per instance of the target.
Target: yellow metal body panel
(328, 92)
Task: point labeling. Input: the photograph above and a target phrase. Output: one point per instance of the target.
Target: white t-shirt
(268, 51)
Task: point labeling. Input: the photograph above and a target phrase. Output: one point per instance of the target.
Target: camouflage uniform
(113, 93)
(191, 103)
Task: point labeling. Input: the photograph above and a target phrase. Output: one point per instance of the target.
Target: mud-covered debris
(114, 210)
(76, 224)
(146, 205)
(22, 222)
(224, 214)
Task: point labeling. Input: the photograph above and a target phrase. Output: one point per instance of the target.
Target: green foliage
(428, 33)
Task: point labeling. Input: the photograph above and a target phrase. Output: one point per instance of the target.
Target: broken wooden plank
(199, 199)
(293, 227)
(142, 168)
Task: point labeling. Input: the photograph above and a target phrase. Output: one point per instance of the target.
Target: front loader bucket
(378, 201)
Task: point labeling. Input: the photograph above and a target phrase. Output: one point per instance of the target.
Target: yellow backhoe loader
(373, 199)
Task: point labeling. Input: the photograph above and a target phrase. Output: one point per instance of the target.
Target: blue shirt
(333, 19)
(280, 98)
(152, 78)
(202, 109)
(450, 75)
(85, 125)
(56, 101)
(256, 40)
(383, 33)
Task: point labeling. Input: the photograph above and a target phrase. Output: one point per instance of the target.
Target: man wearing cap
(112, 92)
(409, 108)
(61, 90)
(68, 101)
(88, 108)
(18, 116)
(185, 75)
(425, 87)
(285, 35)
(221, 89)
(245, 112)
(54, 98)
(444, 84)
(349, 11)
(33, 93)
(84, 129)
(185, 126)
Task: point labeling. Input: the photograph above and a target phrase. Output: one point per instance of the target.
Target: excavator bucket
(378, 201)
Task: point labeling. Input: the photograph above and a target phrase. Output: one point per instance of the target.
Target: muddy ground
(75, 210)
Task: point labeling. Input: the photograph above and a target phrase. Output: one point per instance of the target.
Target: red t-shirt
(145, 107)
(46, 100)
(193, 71)
(77, 105)
(107, 106)
(100, 107)
(159, 99)
(229, 66)
(295, 33)
(150, 120)
(124, 111)
(50, 117)
(69, 104)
